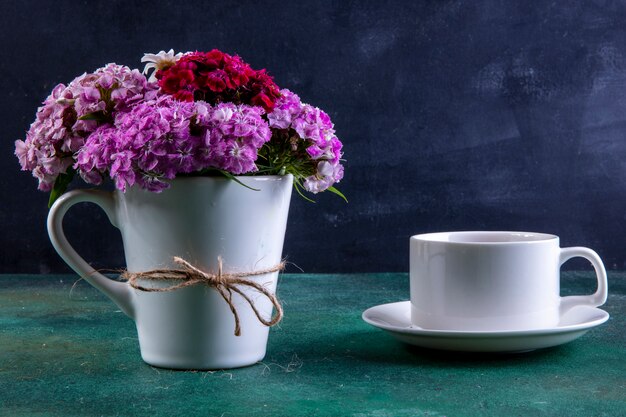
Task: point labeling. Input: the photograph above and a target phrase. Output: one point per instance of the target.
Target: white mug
(199, 219)
(493, 281)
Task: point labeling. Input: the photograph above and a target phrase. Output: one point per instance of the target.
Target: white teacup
(493, 281)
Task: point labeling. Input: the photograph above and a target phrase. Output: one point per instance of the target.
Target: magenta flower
(287, 107)
(314, 128)
(93, 159)
(160, 138)
(232, 137)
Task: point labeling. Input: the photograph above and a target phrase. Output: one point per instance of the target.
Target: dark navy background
(455, 115)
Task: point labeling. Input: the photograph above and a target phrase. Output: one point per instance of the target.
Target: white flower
(159, 61)
(325, 169)
(223, 114)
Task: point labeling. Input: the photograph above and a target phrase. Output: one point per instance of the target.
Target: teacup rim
(443, 237)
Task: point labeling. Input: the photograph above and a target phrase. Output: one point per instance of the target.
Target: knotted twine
(224, 283)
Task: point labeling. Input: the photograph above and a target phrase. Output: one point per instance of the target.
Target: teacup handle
(599, 297)
(119, 292)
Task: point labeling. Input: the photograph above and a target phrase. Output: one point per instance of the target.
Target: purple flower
(239, 158)
(122, 170)
(111, 88)
(157, 139)
(287, 107)
(153, 142)
(327, 174)
(93, 160)
(151, 182)
(47, 149)
(57, 138)
(316, 134)
(233, 135)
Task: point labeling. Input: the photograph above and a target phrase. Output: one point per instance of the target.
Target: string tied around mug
(224, 283)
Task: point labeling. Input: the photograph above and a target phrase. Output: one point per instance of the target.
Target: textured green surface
(72, 354)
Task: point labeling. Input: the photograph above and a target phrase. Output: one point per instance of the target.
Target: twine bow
(224, 283)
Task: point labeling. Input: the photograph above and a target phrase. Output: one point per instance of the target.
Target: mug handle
(599, 297)
(117, 291)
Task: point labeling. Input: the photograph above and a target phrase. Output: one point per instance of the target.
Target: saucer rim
(416, 330)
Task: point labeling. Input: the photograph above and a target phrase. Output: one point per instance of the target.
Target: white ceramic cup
(199, 219)
(493, 281)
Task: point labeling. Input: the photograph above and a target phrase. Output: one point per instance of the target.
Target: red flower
(183, 95)
(215, 81)
(218, 77)
(239, 72)
(215, 59)
(262, 100)
(178, 81)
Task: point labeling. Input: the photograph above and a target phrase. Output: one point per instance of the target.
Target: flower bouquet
(199, 113)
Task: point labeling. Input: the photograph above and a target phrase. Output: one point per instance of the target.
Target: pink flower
(90, 94)
(327, 174)
(158, 139)
(123, 87)
(237, 158)
(94, 158)
(23, 151)
(122, 171)
(316, 135)
(46, 151)
(233, 135)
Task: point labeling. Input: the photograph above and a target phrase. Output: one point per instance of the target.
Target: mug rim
(523, 238)
(250, 180)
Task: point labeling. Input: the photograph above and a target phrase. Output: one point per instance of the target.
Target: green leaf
(339, 193)
(232, 177)
(298, 185)
(60, 185)
(97, 116)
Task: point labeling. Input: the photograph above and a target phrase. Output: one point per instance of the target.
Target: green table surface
(73, 353)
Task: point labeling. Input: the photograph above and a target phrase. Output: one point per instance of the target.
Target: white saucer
(395, 318)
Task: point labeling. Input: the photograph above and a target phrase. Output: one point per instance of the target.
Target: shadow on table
(441, 356)
(375, 347)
